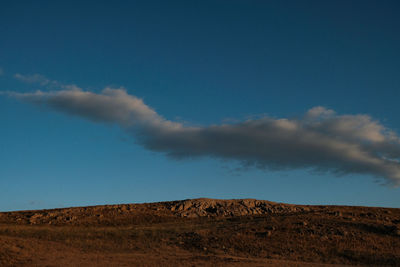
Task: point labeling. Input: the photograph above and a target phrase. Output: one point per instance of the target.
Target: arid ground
(202, 232)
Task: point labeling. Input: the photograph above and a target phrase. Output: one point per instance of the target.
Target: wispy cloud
(1, 72)
(44, 81)
(320, 140)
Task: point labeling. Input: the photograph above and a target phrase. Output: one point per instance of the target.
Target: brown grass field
(202, 232)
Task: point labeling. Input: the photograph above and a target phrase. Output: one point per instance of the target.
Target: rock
(204, 207)
(187, 205)
(34, 219)
(125, 208)
(250, 203)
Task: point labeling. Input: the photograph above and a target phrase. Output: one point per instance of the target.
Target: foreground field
(201, 232)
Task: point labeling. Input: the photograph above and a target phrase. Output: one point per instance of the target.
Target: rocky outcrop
(192, 208)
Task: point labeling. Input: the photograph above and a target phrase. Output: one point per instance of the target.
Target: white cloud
(321, 140)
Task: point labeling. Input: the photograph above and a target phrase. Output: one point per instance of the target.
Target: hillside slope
(201, 232)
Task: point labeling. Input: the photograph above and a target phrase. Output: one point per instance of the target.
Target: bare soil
(201, 232)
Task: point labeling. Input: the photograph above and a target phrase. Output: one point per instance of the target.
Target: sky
(108, 102)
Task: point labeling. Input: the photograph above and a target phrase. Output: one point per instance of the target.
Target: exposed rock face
(34, 219)
(214, 207)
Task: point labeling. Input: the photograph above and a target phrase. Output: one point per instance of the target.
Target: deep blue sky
(200, 62)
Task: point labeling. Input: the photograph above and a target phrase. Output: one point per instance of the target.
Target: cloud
(319, 112)
(35, 78)
(321, 140)
(44, 81)
(1, 72)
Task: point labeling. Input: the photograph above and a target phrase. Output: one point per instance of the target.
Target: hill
(201, 232)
